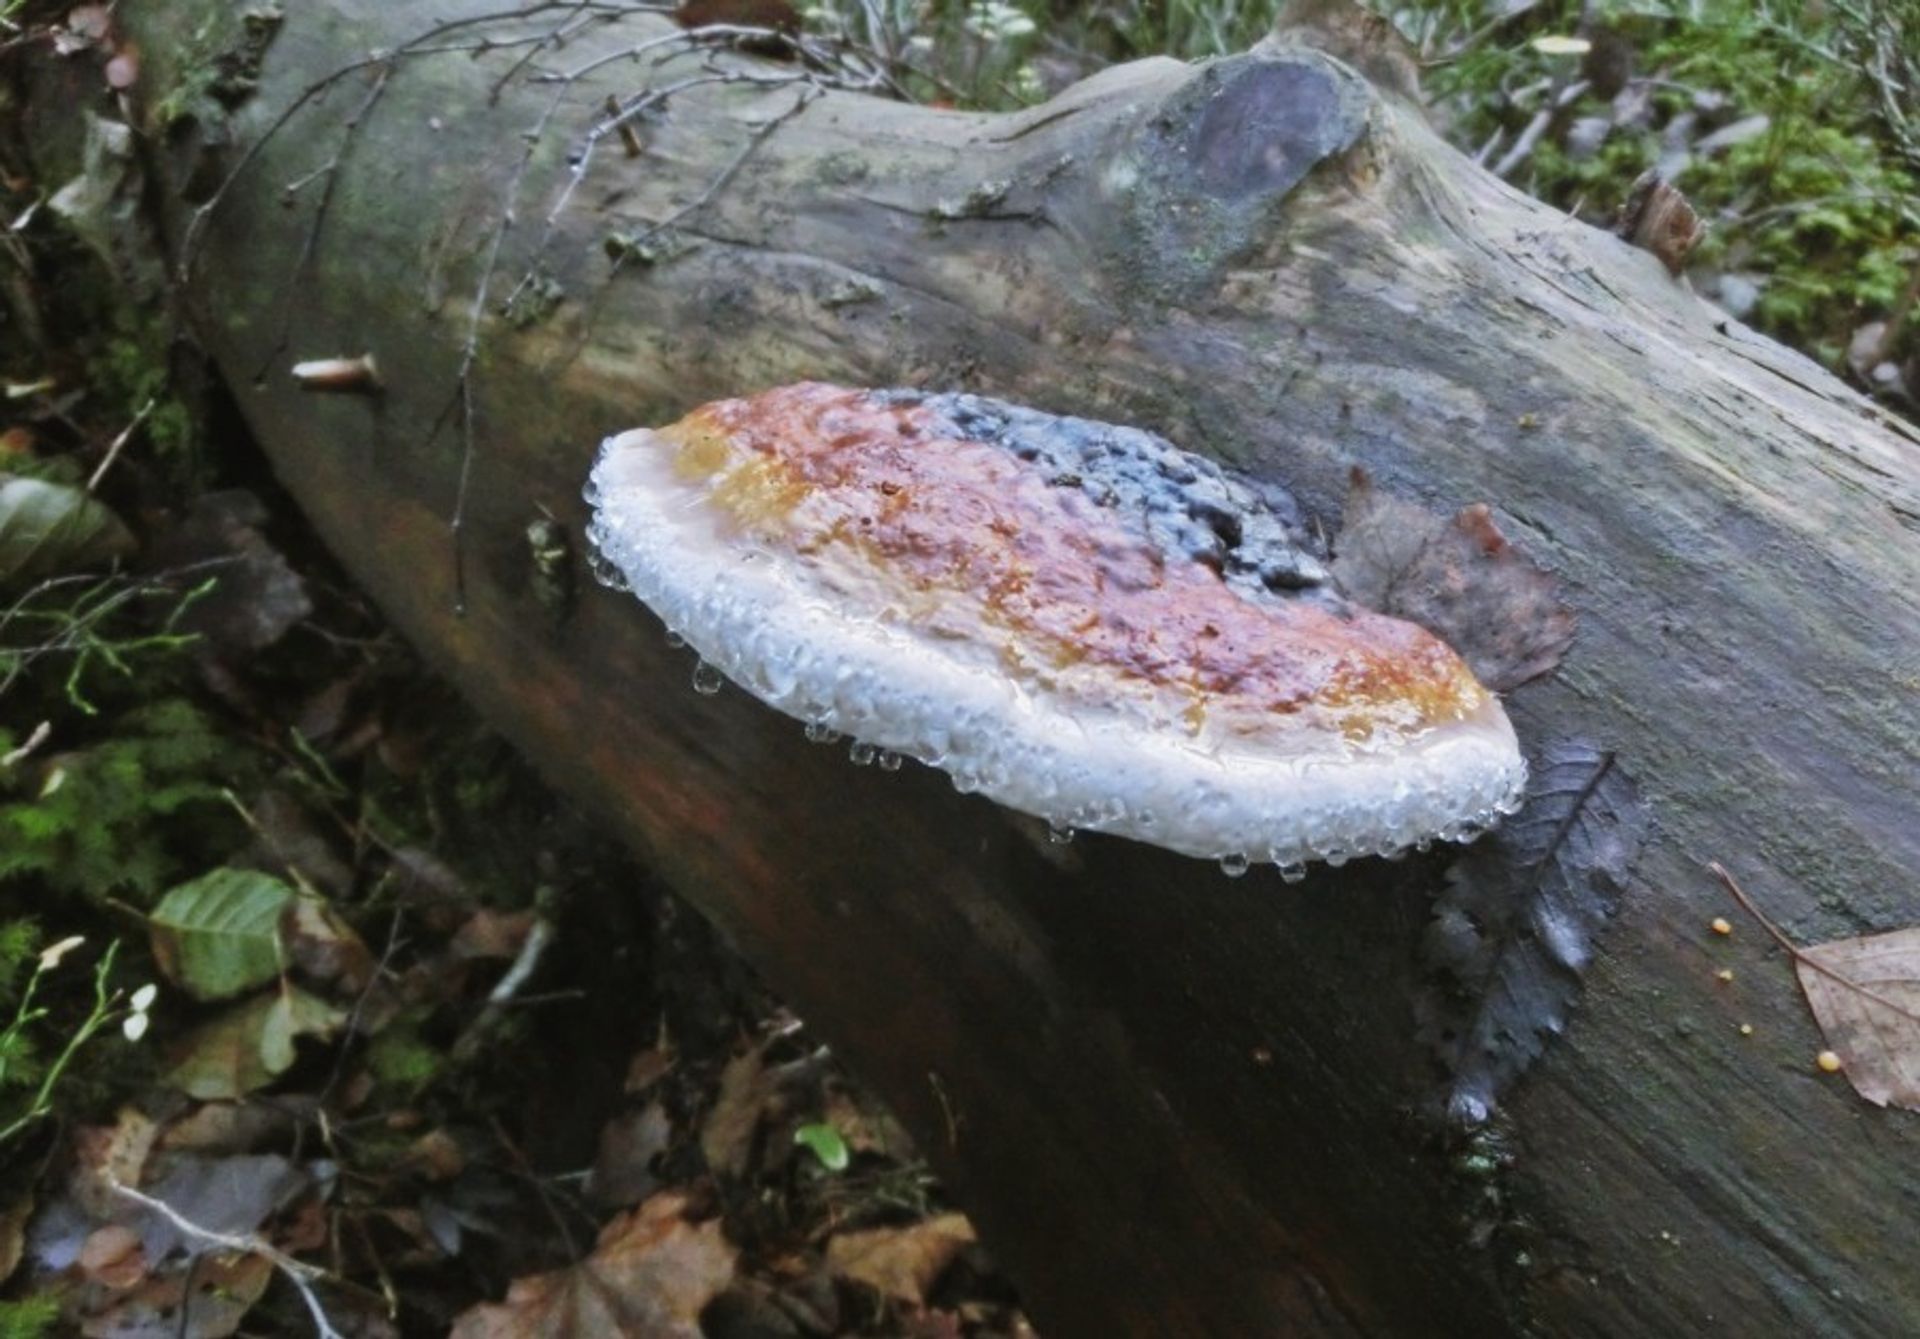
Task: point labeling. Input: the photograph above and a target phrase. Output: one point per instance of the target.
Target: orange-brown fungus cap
(1076, 618)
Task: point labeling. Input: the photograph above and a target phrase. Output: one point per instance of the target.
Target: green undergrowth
(1816, 216)
(1819, 206)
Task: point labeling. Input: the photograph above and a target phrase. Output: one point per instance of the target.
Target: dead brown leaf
(13, 1232)
(747, 1088)
(623, 1171)
(224, 1289)
(1865, 994)
(650, 1275)
(106, 1155)
(324, 946)
(111, 1256)
(492, 934)
(900, 1262)
(1459, 578)
(250, 1044)
(227, 1127)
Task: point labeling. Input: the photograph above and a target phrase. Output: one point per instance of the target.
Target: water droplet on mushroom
(889, 760)
(1059, 834)
(675, 640)
(1235, 865)
(1293, 872)
(819, 732)
(707, 679)
(860, 754)
(606, 571)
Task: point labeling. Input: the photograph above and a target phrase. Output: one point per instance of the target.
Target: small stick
(113, 451)
(299, 1274)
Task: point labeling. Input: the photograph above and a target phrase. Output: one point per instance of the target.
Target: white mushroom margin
(772, 626)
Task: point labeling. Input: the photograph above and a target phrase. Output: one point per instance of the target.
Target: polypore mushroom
(1078, 620)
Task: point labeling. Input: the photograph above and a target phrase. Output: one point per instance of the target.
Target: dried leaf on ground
(219, 936)
(650, 1275)
(235, 1194)
(1459, 578)
(106, 1155)
(13, 1232)
(492, 934)
(49, 529)
(747, 1089)
(1865, 993)
(1513, 933)
(900, 1262)
(259, 597)
(251, 1044)
(112, 1257)
(324, 946)
(223, 1289)
(623, 1168)
(753, 1093)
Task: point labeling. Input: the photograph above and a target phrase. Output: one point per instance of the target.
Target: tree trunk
(1176, 1104)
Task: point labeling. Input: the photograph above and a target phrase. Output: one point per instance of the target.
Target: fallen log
(1175, 1103)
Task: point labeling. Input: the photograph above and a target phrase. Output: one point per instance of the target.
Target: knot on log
(1206, 179)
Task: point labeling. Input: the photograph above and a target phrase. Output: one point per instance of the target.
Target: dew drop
(606, 571)
(1235, 865)
(1059, 833)
(1294, 872)
(819, 732)
(675, 640)
(889, 760)
(707, 679)
(861, 754)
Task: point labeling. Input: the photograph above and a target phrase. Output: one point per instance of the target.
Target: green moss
(1823, 207)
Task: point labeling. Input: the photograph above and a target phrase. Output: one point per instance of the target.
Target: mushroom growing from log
(1076, 619)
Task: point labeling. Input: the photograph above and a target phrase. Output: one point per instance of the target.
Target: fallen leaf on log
(900, 1262)
(1459, 578)
(650, 1275)
(1513, 933)
(1865, 995)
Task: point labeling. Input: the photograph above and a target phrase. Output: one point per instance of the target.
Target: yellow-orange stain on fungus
(964, 536)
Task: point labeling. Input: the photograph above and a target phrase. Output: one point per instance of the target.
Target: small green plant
(20, 1067)
(94, 627)
(107, 819)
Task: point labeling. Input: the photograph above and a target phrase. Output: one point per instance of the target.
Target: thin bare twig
(113, 451)
(300, 1274)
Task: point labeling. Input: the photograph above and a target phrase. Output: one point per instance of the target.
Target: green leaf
(826, 1143)
(50, 529)
(219, 936)
(251, 1044)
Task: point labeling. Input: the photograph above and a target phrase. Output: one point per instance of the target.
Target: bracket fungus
(1076, 619)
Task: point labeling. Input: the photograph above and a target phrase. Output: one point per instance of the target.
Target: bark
(1176, 1104)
